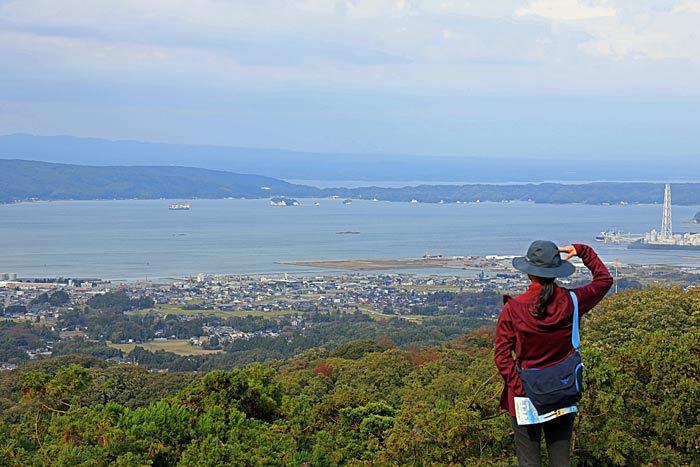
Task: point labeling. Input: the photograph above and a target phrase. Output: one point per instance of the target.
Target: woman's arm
(589, 295)
(503, 352)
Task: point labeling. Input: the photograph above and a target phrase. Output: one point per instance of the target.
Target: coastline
(337, 198)
(140, 240)
(483, 267)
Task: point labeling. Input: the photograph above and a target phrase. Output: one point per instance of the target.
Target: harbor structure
(665, 239)
(617, 237)
(666, 224)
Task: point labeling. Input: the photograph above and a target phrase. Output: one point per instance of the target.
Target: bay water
(143, 240)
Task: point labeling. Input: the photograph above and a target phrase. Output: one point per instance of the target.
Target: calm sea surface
(136, 240)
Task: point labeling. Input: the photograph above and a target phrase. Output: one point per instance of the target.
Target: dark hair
(546, 294)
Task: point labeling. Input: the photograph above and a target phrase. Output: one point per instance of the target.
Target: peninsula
(24, 180)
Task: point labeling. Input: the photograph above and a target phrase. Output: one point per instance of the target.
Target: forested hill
(366, 403)
(554, 193)
(22, 180)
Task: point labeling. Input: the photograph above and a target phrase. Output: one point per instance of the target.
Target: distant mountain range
(291, 165)
(22, 180)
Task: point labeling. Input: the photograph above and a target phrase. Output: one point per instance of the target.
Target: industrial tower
(666, 227)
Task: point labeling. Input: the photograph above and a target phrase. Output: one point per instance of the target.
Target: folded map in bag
(526, 413)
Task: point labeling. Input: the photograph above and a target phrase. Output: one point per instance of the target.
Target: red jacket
(543, 342)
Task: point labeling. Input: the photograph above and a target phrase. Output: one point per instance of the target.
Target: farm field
(176, 346)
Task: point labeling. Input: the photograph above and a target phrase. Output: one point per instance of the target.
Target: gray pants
(557, 435)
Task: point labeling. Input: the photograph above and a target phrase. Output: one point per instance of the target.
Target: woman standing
(536, 326)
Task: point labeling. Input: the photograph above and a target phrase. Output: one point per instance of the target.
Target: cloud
(365, 44)
(653, 30)
(688, 6)
(567, 10)
(351, 62)
(320, 34)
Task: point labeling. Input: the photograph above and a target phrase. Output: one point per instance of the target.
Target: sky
(479, 78)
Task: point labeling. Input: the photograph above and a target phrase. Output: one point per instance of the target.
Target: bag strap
(575, 339)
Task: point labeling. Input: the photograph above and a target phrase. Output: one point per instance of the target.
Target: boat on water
(180, 207)
(283, 201)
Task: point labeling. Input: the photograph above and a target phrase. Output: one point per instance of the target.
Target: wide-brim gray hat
(543, 260)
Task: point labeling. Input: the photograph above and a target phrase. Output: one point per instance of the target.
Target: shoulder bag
(559, 385)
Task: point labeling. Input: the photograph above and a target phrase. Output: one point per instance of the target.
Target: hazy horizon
(326, 169)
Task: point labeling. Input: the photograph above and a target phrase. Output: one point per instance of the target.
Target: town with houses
(378, 294)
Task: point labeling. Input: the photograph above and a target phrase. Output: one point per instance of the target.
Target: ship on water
(617, 237)
(665, 239)
(180, 207)
(283, 201)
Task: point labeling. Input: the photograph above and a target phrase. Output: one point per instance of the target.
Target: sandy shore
(384, 263)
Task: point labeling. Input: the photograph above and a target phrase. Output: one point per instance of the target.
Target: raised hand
(569, 250)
